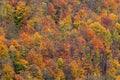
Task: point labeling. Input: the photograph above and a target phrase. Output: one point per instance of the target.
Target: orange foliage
(67, 46)
(90, 33)
(3, 47)
(26, 38)
(2, 39)
(31, 56)
(97, 43)
(18, 77)
(51, 7)
(110, 4)
(13, 2)
(15, 43)
(34, 58)
(75, 69)
(59, 39)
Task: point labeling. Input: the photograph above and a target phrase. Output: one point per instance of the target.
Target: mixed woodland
(59, 39)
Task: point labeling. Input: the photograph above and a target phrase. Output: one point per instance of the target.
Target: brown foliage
(107, 21)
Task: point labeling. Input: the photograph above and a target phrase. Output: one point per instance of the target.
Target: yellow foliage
(114, 17)
(98, 29)
(112, 68)
(37, 36)
(33, 20)
(116, 63)
(96, 71)
(118, 78)
(12, 48)
(89, 21)
(24, 61)
(8, 70)
(117, 27)
(22, 8)
(108, 50)
(27, 11)
(79, 23)
(60, 62)
(60, 75)
(75, 69)
(9, 7)
(66, 22)
(20, 5)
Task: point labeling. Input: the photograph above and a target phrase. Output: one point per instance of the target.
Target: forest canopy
(59, 39)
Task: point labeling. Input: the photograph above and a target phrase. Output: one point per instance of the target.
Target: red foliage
(59, 3)
(13, 2)
(66, 29)
(63, 2)
(51, 9)
(27, 29)
(117, 1)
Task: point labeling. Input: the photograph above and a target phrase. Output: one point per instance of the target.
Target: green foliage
(88, 57)
(115, 36)
(84, 1)
(99, 10)
(19, 65)
(18, 13)
(63, 32)
(108, 37)
(97, 57)
(60, 63)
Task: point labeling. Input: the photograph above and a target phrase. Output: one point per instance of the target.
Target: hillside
(59, 39)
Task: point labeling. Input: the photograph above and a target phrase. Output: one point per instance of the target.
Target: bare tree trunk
(103, 63)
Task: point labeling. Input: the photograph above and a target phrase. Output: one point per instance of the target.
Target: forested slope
(59, 39)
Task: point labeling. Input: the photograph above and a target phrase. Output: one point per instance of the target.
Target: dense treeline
(59, 39)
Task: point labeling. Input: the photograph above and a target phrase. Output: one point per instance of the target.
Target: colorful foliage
(59, 40)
